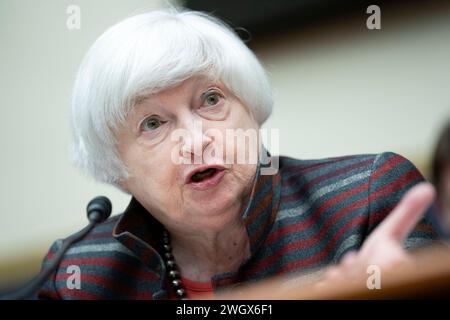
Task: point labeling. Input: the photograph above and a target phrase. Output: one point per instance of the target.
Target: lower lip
(209, 182)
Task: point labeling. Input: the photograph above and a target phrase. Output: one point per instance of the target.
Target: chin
(215, 202)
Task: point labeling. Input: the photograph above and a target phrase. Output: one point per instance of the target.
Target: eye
(151, 123)
(211, 98)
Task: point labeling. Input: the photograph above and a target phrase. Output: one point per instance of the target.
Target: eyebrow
(139, 109)
(140, 98)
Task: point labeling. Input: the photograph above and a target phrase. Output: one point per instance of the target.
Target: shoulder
(98, 267)
(371, 181)
(322, 188)
(311, 169)
(335, 203)
(100, 239)
(337, 172)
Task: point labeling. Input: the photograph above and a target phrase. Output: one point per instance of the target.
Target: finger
(333, 273)
(349, 258)
(402, 220)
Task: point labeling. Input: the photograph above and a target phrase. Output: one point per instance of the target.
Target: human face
(167, 188)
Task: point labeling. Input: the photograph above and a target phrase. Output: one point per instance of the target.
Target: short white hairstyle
(148, 53)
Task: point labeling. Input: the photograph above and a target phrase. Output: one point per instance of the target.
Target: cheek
(241, 117)
(244, 173)
(246, 141)
(244, 148)
(157, 187)
(151, 170)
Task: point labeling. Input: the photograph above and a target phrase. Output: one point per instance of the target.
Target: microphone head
(99, 209)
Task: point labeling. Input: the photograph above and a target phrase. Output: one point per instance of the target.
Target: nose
(194, 142)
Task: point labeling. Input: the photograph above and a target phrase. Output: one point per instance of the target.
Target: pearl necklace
(172, 269)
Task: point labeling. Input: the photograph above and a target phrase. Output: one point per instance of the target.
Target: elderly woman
(153, 99)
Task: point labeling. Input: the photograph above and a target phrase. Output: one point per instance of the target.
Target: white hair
(148, 53)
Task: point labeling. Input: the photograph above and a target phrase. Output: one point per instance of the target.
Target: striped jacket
(306, 216)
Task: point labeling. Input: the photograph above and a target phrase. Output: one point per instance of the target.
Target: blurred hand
(384, 246)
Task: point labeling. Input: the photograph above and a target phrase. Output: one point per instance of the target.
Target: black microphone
(98, 210)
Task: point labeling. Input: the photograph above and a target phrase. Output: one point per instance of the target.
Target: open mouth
(206, 178)
(203, 175)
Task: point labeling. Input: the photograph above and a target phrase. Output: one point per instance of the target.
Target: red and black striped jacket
(306, 216)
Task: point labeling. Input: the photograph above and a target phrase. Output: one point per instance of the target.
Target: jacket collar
(141, 233)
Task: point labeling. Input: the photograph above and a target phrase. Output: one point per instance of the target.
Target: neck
(201, 255)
